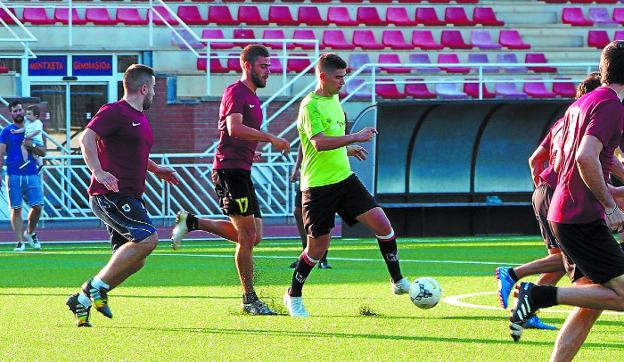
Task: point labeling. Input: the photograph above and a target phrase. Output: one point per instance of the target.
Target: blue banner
(48, 65)
(92, 65)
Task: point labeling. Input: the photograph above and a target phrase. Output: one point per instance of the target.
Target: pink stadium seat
(220, 15)
(61, 15)
(340, 16)
(394, 39)
(99, 16)
(160, 10)
(450, 91)
(380, 1)
(618, 15)
(365, 39)
(508, 90)
(453, 39)
(486, 17)
(215, 65)
(4, 69)
(457, 16)
(216, 33)
(388, 90)
(190, 15)
(418, 90)
(298, 65)
(422, 58)
(243, 34)
(130, 16)
(398, 16)
(575, 17)
(564, 88)
(250, 15)
(310, 15)
(537, 90)
(483, 40)
(451, 59)
(428, 16)
(304, 34)
(619, 35)
(539, 58)
(368, 15)
(335, 39)
(280, 15)
(472, 89)
(511, 39)
(36, 16)
(276, 64)
(233, 63)
(423, 39)
(600, 16)
(275, 34)
(392, 58)
(320, 1)
(356, 61)
(6, 17)
(598, 39)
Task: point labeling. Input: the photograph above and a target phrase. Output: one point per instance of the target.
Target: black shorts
(298, 199)
(236, 192)
(348, 198)
(541, 202)
(589, 250)
(125, 218)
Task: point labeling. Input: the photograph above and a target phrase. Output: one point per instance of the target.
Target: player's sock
(388, 248)
(250, 297)
(191, 222)
(304, 267)
(513, 274)
(324, 258)
(84, 300)
(98, 283)
(544, 296)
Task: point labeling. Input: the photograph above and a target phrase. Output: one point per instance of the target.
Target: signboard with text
(48, 65)
(92, 65)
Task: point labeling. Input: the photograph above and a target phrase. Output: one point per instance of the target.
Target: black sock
(544, 296)
(512, 274)
(303, 269)
(191, 222)
(388, 248)
(250, 297)
(324, 258)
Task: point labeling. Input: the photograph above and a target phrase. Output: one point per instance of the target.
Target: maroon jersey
(599, 114)
(552, 142)
(233, 152)
(124, 146)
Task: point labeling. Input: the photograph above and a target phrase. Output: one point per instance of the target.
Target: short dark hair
(330, 62)
(136, 75)
(252, 52)
(13, 105)
(35, 110)
(612, 63)
(591, 82)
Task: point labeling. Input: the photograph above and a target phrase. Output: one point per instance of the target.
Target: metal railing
(24, 41)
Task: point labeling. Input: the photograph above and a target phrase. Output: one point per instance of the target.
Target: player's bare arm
(537, 163)
(88, 145)
(236, 128)
(164, 173)
(295, 173)
(325, 143)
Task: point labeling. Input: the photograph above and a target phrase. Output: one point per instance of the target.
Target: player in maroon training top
(240, 117)
(583, 213)
(116, 146)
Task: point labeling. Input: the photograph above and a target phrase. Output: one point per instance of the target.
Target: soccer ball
(425, 292)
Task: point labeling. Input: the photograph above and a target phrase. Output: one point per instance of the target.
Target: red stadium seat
(365, 39)
(394, 39)
(423, 39)
(486, 17)
(6, 17)
(243, 34)
(190, 15)
(233, 63)
(280, 15)
(428, 16)
(451, 59)
(598, 39)
(418, 90)
(160, 11)
(335, 39)
(398, 16)
(454, 40)
(250, 15)
(320, 1)
(220, 15)
(619, 35)
(537, 90)
(216, 34)
(275, 34)
(61, 15)
(511, 39)
(304, 34)
(618, 15)
(457, 16)
(4, 69)
(298, 65)
(99, 16)
(36, 16)
(539, 58)
(368, 15)
(388, 90)
(472, 89)
(215, 65)
(575, 17)
(130, 16)
(564, 88)
(310, 15)
(392, 58)
(340, 16)
(276, 64)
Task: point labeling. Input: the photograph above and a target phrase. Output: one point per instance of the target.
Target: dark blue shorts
(125, 217)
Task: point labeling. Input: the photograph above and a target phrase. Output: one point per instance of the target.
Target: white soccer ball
(425, 292)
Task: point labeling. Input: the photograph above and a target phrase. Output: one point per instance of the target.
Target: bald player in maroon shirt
(116, 146)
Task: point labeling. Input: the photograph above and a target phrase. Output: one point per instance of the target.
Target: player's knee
(247, 237)
(149, 243)
(258, 239)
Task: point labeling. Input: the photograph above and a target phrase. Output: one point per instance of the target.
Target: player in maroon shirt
(583, 213)
(240, 118)
(116, 146)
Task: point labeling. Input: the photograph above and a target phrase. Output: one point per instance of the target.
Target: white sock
(98, 283)
(84, 300)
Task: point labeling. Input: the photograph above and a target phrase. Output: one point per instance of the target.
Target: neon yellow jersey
(322, 114)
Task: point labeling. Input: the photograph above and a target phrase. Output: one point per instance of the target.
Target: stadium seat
(162, 13)
(310, 15)
(398, 16)
(450, 91)
(190, 15)
(221, 15)
(182, 38)
(276, 64)
(456, 16)
(510, 58)
(368, 15)
(423, 39)
(483, 40)
(618, 15)
(99, 16)
(352, 88)
(320, 1)
(451, 59)
(340, 16)
(4, 69)
(352, 1)
(6, 17)
(275, 34)
(388, 90)
(130, 16)
(216, 34)
(280, 15)
(365, 39)
(472, 89)
(233, 63)
(453, 39)
(357, 60)
(394, 39)
(539, 58)
(335, 39)
(418, 90)
(619, 35)
(597, 39)
(215, 65)
(508, 90)
(601, 16)
(243, 34)
(428, 16)
(483, 59)
(575, 17)
(304, 34)
(564, 88)
(422, 58)
(486, 17)
(61, 15)
(36, 16)
(511, 39)
(392, 58)
(250, 15)
(537, 89)
(298, 65)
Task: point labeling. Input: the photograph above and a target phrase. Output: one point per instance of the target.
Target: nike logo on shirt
(135, 124)
(252, 105)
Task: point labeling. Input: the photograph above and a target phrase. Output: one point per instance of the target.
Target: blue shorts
(24, 187)
(125, 217)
